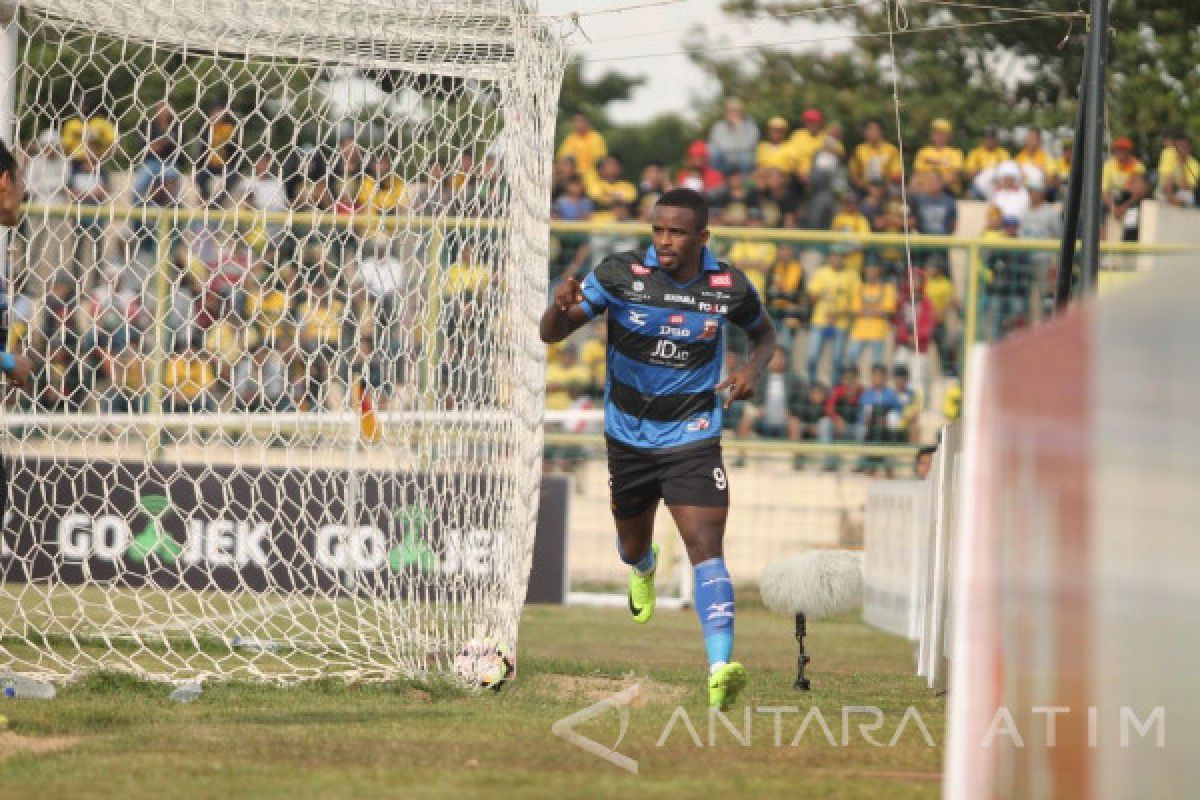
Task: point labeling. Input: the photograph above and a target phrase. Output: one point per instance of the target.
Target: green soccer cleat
(641, 592)
(725, 684)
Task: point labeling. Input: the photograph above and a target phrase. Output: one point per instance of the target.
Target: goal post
(279, 276)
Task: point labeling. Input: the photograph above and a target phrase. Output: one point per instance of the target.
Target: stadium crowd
(848, 305)
(260, 313)
(265, 315)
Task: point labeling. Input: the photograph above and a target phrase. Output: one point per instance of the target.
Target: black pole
(1066, 252)
(1094, 144)
(802, 658)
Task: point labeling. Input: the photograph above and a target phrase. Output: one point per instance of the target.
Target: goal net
(279, 277)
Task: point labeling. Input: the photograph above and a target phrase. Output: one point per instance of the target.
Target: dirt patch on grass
(14, 744)
(593, 689)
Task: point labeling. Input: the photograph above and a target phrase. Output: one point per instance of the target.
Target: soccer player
(667, 310)
(16, 366)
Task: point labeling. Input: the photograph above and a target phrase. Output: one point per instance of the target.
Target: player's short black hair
(689, 199)
(8, 161)
(927, 450)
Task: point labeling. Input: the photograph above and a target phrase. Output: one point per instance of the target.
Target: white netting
(279, 277)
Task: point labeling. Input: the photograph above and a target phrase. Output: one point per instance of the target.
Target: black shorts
(693, 475)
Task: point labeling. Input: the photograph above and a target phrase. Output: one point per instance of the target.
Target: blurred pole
(1094, 145)
(1066, 253)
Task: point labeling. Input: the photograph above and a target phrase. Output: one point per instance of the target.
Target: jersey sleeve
(596, 296)
(748, 311)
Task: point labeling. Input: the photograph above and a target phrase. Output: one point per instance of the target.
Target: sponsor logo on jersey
(672, 330)
(677, 319)
(714, 308)
(638, 286)
(686, 299)
(638, 269)
(711, 327)
(666, 350)
(695, 424)
(724, 280)
(637, 317)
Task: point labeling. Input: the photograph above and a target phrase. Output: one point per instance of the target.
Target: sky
(648, 42)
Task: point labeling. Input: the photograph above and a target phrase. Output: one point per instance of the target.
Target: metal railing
(167, 221)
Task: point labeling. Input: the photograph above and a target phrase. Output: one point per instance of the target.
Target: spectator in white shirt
(733, 139)
(383, 276)
(46, 174)
(265, 189)
(1003, 186)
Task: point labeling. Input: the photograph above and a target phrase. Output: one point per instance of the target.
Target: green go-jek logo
(154, 540)
(412, 551)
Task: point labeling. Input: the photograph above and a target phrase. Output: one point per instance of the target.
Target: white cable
(622, 9)
(775, 17)
(902, 24)
(839, 37)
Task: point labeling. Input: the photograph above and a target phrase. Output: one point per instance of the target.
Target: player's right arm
(575, 304)
(566, 313)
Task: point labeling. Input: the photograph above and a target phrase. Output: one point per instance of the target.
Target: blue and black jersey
(666, 346)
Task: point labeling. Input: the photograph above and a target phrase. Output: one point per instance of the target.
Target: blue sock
(645, 566)
(714, 606)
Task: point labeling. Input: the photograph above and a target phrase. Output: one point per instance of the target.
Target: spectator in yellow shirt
(566, 379)
(1178, 172)
(466, 276)
(1062, 168)
(754, 257)
(875, 160)
(584, 144)
(219, 154)
(832, 290)
(775, 152)
(988, 154)
(126, 372)
(873, 305)
(89, 126)
(941, 157)
(1122, 191)
(594, 355)
(939, 288)
(469, 283)
(807, 142)
(320, 320)
(381, 190)
(189, 381)
(850, 219)
(1034, 157)
(320, 326)
(787, 295)
(607, 189)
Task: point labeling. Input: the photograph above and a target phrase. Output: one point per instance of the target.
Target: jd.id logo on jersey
(666, 350)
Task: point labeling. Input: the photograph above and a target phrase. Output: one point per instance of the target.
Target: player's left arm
(17, 366)
(752, 317)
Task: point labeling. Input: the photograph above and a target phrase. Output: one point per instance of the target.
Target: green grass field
(122, 738)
